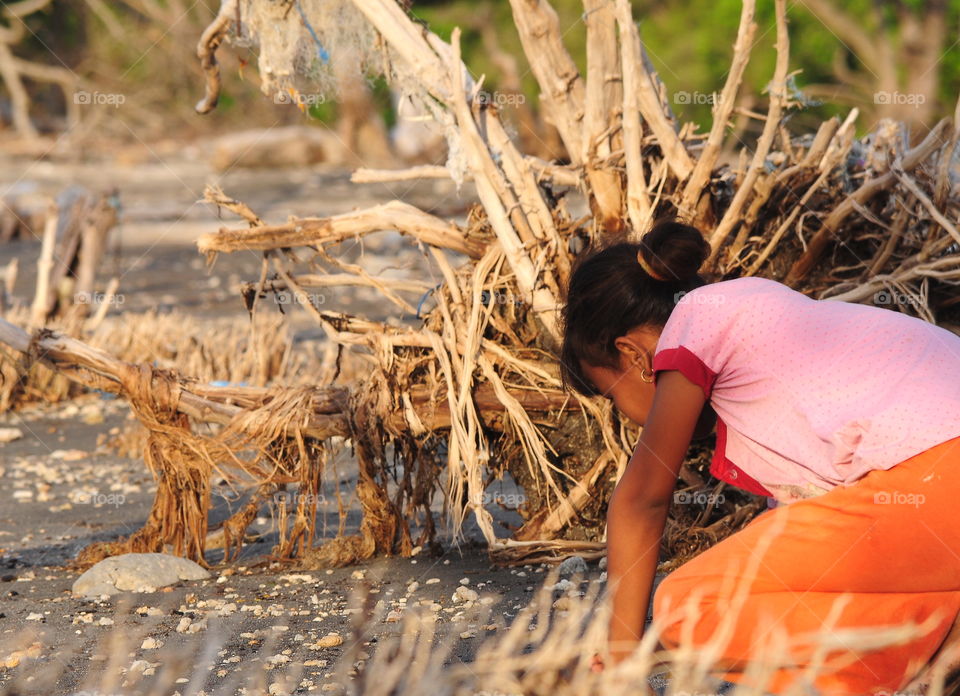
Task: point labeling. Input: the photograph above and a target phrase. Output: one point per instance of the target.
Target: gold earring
(644, 378)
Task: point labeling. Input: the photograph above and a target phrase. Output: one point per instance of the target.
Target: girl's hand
(596, 663)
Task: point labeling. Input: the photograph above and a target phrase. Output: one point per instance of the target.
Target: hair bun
(673, 252)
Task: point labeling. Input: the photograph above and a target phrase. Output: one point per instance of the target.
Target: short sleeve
(699, 337)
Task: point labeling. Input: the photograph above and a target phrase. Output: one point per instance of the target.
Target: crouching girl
(847, 415)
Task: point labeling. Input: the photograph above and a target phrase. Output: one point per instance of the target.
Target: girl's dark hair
(611, 293)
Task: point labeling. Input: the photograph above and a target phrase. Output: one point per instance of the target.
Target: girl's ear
(630, 352)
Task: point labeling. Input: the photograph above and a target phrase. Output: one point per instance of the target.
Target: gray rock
(573, 566)
(136, 572)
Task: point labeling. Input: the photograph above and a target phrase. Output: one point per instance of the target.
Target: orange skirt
(887, 547)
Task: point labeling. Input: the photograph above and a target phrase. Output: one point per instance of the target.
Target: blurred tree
(890, 58)
(14, 69)
(900, 56)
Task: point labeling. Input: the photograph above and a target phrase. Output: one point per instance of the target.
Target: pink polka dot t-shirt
(811, 394)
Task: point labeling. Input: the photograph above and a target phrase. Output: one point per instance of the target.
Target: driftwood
(793, 203)
(74, 241)
(162, 400)
(471, 391)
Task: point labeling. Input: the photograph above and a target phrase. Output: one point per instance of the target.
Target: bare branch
(778, 99)
(396, 215)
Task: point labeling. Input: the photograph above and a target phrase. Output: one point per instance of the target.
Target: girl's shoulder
(747, 284)
(732, 293)
(717, 315)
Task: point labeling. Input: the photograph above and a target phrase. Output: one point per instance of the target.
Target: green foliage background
(691, 42)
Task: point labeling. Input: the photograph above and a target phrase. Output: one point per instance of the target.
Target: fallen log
(169, 404)
(328, 406)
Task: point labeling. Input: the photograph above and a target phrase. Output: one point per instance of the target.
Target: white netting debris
(304, 44)
(307, 48)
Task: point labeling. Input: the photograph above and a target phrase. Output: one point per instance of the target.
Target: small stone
(574, 565)
(151, 643)
(562, 604)
(464, 594)
(10, 434)
(602, 565)
(140, 666)
(331, 640)
(68, 455)
(297, 578)
(17, 656)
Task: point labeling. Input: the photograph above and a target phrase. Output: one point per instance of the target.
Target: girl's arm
(638, 507)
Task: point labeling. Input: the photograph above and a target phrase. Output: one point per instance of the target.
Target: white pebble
(464, 594)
